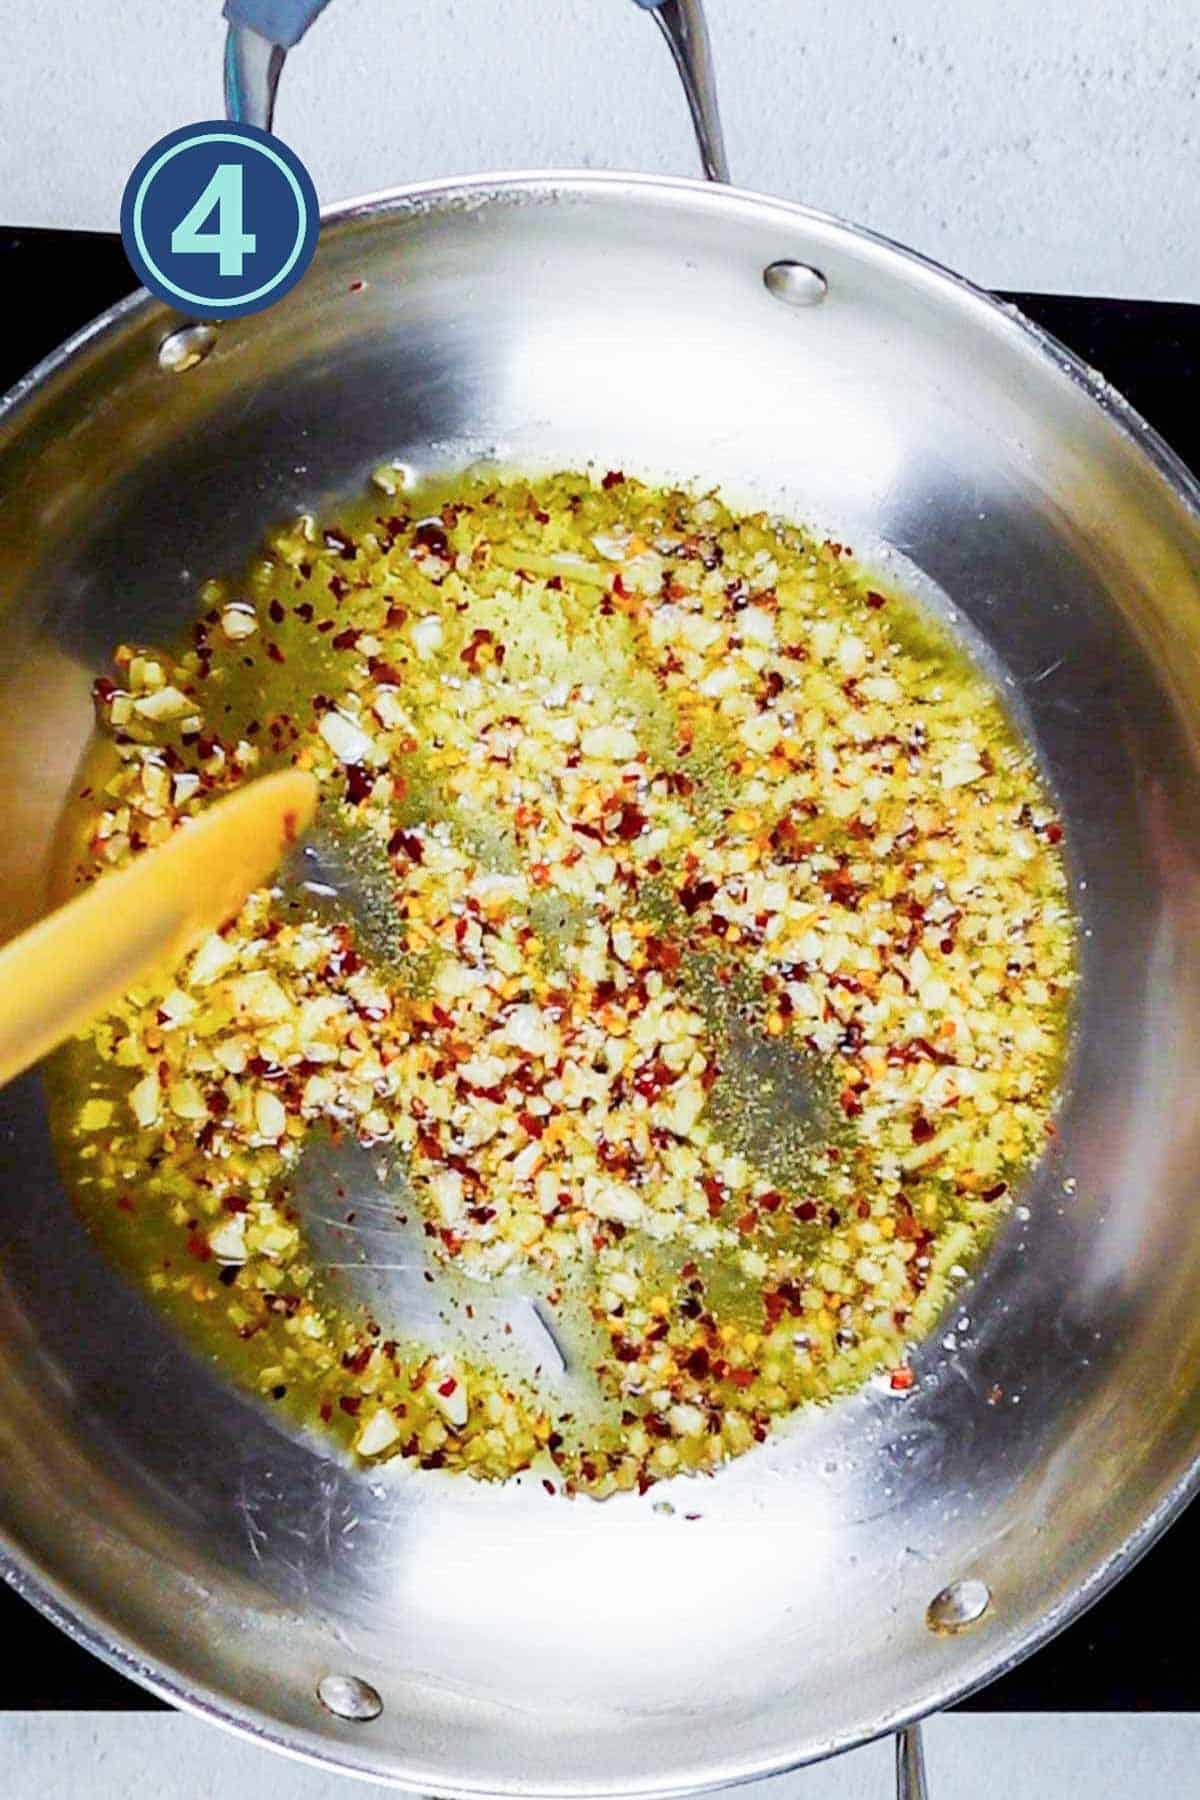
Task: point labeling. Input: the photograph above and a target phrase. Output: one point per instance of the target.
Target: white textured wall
(1030, 144)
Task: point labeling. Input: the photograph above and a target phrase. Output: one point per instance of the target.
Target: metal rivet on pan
(182, 349)
(795, 283)
(961, 1604)
(347, 1697)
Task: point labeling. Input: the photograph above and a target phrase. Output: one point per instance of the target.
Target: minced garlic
(660, 791)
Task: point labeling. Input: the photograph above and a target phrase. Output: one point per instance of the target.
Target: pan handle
(910, 1765)
(261, 32)
(683, 24)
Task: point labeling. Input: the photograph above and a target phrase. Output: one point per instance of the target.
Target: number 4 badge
(219, 219)
(228, 243)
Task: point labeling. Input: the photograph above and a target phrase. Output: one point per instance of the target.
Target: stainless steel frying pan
(887, 1555)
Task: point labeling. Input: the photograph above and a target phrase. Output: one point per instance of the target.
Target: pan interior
(519, 1646)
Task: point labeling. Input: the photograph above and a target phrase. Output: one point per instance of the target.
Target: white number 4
(223, 195)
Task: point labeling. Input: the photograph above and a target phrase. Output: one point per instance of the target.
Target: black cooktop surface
(1132, 1651)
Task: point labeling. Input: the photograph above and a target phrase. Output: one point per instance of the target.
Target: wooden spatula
(72, 965)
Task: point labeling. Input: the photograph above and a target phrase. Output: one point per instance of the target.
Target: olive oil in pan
(670, 996)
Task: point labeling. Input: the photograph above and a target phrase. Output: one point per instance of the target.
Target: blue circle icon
(219, 220)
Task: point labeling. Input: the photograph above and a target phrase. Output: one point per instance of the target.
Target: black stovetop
(1123, 1655)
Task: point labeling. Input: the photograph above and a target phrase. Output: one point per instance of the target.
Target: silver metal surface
(346, 1697)
(521, 1644)
(186, 346)
(958, 1606)
(261, 32)
(910, 1765)
(253, 65)
(796, 284)
(685, 28)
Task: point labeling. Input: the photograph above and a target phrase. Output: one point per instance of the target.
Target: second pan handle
(261, 32)
(683, 24)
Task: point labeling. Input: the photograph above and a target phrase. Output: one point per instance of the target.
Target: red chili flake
(631, 823)
(614, 478)
(339, 587)
(902, 1380)
(693, 895)
(264, 1070)
(447, 1387)
(326, 1411)
(396, 615)
(199, 1247)
(612, 1156)
(407, 842)
(788, 843)
(841, 889)
(651, 1079)
(850, 1103)
(741, 1378)
(922, 1129)
(356, 287)
(771, 1201)
(344, 961)
(1054, 832)
(351, 1403)
(357, 1360)
(347, 639)
(359, 783)
(103, 689)
(337, 540)
(385, 673)
(532, 1124)
(430, 535)
(472, 652)
(875, 600)
(994, 1193)
(275, 653)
